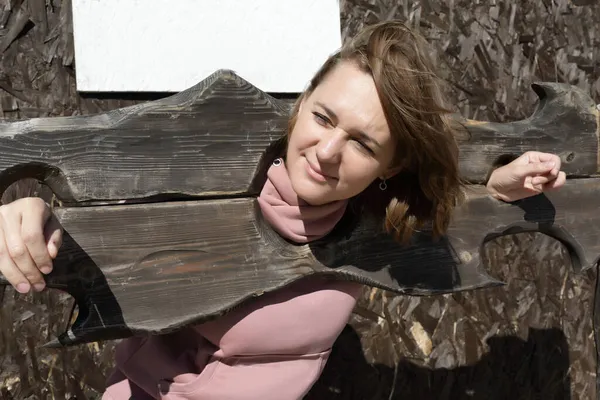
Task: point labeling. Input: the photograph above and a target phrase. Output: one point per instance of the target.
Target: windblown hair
(429, 186)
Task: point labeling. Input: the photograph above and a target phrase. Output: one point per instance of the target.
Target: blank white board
(170, 45)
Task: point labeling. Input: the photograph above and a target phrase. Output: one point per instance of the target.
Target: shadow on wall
(512, 369)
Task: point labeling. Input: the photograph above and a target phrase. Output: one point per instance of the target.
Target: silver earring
(277, 162)
(382, 185)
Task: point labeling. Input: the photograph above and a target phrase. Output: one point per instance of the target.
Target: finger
(53, 234)
(533, 169)
(551, 158)
(526, 158)
(538, 156)
(10, 270)
(548, 158)
(32, 234)
(17, 250)
(543, 179)
(556, 183)
(543, 157)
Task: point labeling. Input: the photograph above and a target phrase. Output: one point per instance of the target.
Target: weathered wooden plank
(210, 139)
(132, 267)
(207, 141)
(565, 122)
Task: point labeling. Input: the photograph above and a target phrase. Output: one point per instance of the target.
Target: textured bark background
(530, 339)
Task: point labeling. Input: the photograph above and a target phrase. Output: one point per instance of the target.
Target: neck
(291, 216)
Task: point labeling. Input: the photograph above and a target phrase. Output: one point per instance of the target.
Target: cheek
(360, 175)
(300, 137)
(359, 172)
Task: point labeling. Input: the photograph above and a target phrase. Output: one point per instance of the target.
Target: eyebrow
(333, 116)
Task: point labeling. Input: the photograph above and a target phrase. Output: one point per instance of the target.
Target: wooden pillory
(162, 229)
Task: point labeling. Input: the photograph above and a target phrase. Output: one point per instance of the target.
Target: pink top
(274, 347)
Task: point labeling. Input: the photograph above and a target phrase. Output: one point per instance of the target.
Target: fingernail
(549, 164)
(23, 287)
(39, 286)
(45, 270)
(52, 249)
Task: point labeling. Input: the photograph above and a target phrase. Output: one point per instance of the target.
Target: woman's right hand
(30, 236)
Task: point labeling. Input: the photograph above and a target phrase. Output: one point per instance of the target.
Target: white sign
(170, 45)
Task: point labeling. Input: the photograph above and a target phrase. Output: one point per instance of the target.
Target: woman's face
(341, 141)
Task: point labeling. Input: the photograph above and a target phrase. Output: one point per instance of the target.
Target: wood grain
(152, 268)
(197, 160)
(207, 140)
(213, 140)
(565, 122)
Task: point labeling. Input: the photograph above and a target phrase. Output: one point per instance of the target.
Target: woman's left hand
(530, 174)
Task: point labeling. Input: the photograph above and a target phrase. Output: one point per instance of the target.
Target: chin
(311, 193)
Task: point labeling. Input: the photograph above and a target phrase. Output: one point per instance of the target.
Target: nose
(329, 148)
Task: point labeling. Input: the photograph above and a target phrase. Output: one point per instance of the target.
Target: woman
(368, 135)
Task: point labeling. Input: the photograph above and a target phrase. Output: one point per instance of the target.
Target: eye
(321, 119)
(364, 146)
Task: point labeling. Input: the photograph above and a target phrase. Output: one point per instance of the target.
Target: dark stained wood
(131, 267)
(207, 140)
(210, 145)
(211, 140)
(565, 122)
(20, 20)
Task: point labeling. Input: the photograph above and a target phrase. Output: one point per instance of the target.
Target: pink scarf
(292, 217)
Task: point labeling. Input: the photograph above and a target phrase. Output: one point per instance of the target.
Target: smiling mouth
(316, 175)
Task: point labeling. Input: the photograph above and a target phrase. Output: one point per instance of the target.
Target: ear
(391, 172)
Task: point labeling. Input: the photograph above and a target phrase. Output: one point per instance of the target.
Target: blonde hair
(429, 187)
